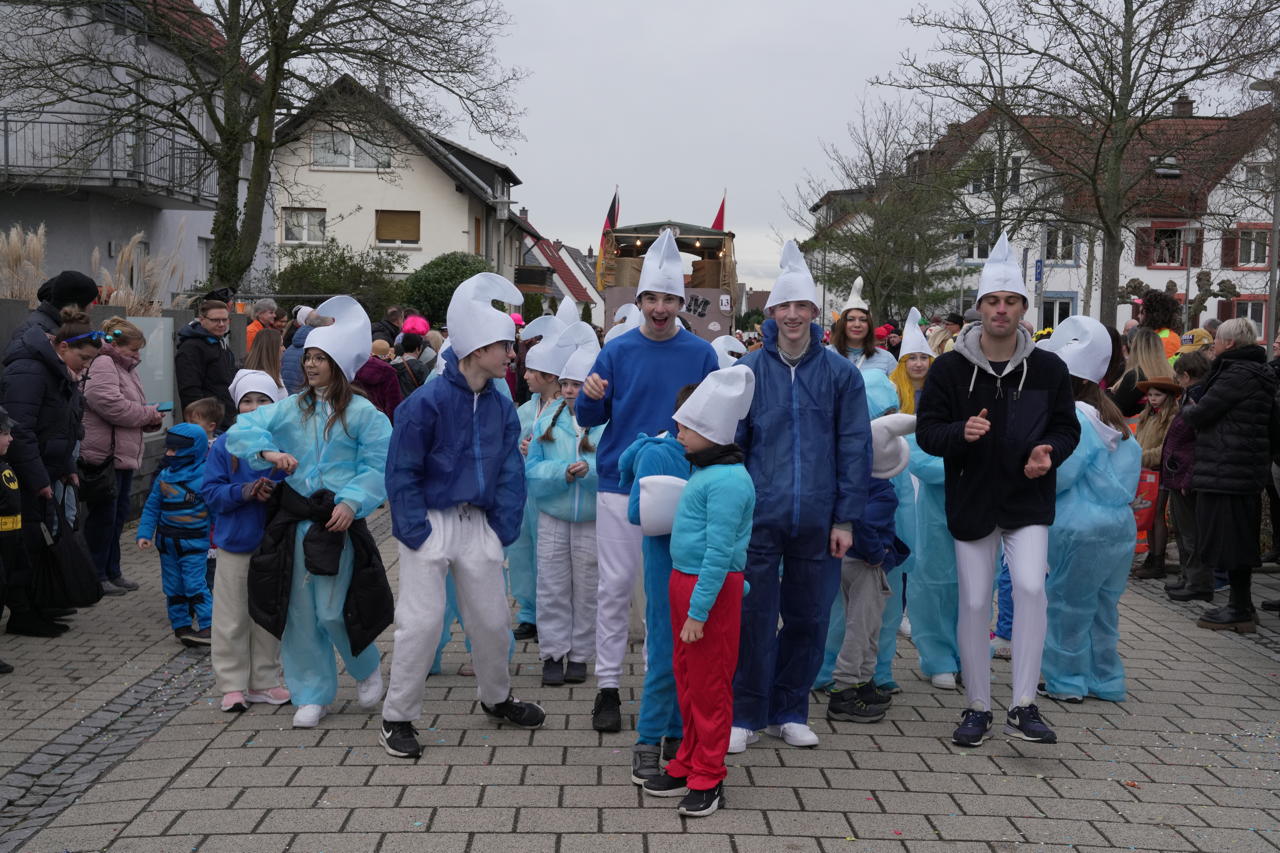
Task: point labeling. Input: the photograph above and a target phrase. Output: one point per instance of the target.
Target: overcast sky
(676, 102)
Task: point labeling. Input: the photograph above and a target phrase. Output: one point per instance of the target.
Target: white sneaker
(369, 691)
(794, 734)
(309, 716)
(944, 681)
(740, 739)
(1001, 648)
(904, 628)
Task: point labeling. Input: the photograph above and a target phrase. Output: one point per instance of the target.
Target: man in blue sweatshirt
(632, 388)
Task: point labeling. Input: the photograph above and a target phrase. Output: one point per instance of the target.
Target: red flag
(718, 224)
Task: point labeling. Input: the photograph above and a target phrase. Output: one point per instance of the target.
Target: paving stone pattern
(1188, 762)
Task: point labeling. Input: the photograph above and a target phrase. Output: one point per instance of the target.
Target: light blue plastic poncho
(522, 555)
(933, 597)
(1090, 550)
(546, 462)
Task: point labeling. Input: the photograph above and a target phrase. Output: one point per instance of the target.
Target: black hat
(953, 319)
(68, 288)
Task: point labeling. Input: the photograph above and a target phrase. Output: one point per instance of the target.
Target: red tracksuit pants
(704, 680)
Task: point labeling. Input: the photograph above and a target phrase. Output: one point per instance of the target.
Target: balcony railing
(70, 150)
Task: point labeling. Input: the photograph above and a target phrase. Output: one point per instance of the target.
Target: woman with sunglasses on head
(116, 415)
(41, 394)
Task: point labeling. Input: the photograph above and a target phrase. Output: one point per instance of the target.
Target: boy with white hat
(455, 478)
(807, 441)
(631, 388)
(1001, 414)
(708, 551)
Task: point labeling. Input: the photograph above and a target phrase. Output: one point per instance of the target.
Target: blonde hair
(120, 331)
(1146, 353)
(1239, 329)
(938, 339)
(902, 381)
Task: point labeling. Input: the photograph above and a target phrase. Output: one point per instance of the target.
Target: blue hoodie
(644, 377)
(807, 440)
(175, 500)
(291, 363)
(546, 464)
(451, 445)
(238, 524)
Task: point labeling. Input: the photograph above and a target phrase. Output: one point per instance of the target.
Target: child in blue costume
(659, 716)
(176, 519)
(933, 597)
(325, 438)
(1093, 534)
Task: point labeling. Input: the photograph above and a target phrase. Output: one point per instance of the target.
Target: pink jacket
(114, 401)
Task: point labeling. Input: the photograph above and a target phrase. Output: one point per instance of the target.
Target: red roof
(562, 269)
(189, 20)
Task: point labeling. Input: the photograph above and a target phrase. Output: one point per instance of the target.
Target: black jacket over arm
(1232, 420)
(985, 484)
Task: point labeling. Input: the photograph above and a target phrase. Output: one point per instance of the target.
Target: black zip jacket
(1030, 404)
(369, 607)
(1232, 419)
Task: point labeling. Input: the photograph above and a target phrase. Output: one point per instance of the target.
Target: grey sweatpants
(865, 591)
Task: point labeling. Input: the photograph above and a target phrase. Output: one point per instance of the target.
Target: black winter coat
(1030, 404)
(369, 607)
(45, 317)
(1232, 420)
(47, 408)
(205, 367)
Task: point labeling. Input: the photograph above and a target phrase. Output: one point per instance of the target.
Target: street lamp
(1273, 248)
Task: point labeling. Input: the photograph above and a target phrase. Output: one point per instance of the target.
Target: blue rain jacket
(291, 362)
(451, 446)
(882, 360)
(711, 530)
(933, 597)
(807, 440)
(1090, 550)
(174, 501)
(238, 524)
(547, 461)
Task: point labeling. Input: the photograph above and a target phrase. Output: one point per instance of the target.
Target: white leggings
(1026, 550)
(618, 542)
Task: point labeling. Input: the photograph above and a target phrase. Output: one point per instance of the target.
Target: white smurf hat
(913, 340)
(728, 349)
(473, 321)
(627, 317)
(348, 339)
(542, 356)
(855, 299)
(718, 403)
(659, 498)
(889, 450)
(1083, 344)
(795, 284)
(578, 346)
(249, 381)
(663, 271)
(1001, 274)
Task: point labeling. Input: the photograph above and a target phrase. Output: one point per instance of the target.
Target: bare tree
(1087, 84)
(216, 77)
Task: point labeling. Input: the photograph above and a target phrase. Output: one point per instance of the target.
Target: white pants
(244, 655)
(461, 542)
(1026, 550)
(566, 589)
(618, 542)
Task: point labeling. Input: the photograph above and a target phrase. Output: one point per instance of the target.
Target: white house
(410, 191)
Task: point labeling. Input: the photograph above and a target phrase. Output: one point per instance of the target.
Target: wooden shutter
(398, 226)
(1230, 249)
(1144, 247)
(1197, 249)
(1226, 309)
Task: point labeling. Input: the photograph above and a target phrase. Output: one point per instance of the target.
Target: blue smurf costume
(1092, 537)
(343, 453)
(176, 519)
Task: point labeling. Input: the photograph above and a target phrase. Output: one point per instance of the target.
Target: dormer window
(335, 149)
(1165, 167)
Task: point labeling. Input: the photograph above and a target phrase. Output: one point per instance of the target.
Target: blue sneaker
(1026, 723)
(974, 727)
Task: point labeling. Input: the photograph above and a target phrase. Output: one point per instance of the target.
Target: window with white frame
(975, 243)
(1167, 247)
(1258, 175)
(397, 227)
(1253, 247)
(303, 224)
(1254, 309)
(335, 149)
(1059, 244)
(1054, 311)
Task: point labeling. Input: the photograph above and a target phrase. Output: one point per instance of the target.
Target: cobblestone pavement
(111, 739)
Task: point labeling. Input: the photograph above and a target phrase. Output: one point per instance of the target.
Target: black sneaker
(644, 762)
(606, 716)
(553, 672)
(848, 706)
(670, 747)
(399, 739)
(1025, 722)
(109, 588)
(526, 631)
(666, 786)
(973, 729)
(5, 668)
(193, 638)
(873, 696)
(702, 803)
(526, 715)
(575, 672)
(123, 582)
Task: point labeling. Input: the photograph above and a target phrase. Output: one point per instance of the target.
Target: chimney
(1183, 107)
(524, 213)
(591, 251)
(557, 245)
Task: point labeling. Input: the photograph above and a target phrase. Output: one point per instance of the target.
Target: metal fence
(70, 149)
